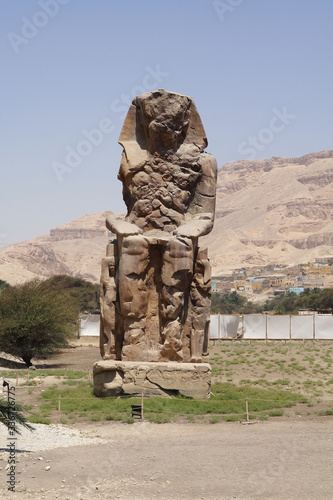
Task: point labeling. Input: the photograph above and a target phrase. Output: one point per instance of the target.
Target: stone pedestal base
(113, 378)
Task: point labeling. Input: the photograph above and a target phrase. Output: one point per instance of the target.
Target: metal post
(141, 405)
(247, 409)
(6, 384)
(266, 328)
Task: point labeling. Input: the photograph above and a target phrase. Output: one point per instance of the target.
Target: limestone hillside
(276, 211)
(273, 211)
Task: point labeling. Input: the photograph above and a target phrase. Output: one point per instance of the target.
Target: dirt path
(271, 460)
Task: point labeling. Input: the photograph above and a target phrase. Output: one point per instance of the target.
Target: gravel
(46, 437)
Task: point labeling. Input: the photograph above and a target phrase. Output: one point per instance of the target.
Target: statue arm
(121, 227)
(199, 219)
(114, 224)
(198, 226)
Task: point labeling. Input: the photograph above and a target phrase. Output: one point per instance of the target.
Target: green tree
(83, 291)
(316, 299)
(279, 309)
(228, 303)
(326, 299)
(3, 285)
(36, 319)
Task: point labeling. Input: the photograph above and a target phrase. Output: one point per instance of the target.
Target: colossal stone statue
(155, 284)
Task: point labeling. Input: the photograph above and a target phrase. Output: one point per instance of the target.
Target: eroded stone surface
(114, 378)
(155, 284)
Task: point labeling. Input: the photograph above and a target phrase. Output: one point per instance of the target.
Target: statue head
(112, 266)
(164, 118)
(158, 121)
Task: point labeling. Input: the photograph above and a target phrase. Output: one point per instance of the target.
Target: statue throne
(155, 280)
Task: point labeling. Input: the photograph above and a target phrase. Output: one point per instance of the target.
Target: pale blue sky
(259, 71)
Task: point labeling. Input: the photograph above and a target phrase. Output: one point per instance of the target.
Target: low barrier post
(141, 405)
(247, 409)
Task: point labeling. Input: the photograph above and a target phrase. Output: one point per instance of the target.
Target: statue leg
(200, 302)
(109, 330)
(133, 265)
(177, 272)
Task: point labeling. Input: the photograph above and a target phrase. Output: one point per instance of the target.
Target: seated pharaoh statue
(155, 283)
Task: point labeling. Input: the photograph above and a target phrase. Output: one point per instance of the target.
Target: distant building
(317, 268)
(275, 281)
(306, 312)
(296, 289)
(240, 285)
(256, 285)
(252, 285)
(293, 270)
(220, 285)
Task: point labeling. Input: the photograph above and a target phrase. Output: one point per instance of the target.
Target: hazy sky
(259, 71)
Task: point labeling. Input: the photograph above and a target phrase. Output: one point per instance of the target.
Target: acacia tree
(36, 319)
(85, 292)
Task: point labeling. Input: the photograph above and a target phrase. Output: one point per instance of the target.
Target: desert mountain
(76, 249)
(276, 211)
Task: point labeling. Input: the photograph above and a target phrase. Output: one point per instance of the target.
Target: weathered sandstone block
(113, 378)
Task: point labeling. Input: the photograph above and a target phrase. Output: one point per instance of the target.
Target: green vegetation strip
(226, 403)
(67, 374)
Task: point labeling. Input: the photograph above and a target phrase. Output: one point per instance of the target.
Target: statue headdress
(133, 136)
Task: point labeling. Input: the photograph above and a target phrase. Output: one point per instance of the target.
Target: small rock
(40, 458)
(48, 467)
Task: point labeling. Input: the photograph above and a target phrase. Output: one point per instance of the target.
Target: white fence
(262, 327)
(223, 326)
(249, 326)
(89, 325)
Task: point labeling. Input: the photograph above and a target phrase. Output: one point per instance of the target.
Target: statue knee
(134, 255)
(177, 269)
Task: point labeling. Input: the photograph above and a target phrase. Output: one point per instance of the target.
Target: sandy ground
(270, 460)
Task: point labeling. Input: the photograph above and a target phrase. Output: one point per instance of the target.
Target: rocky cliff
(75, 248)
(273, 211)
